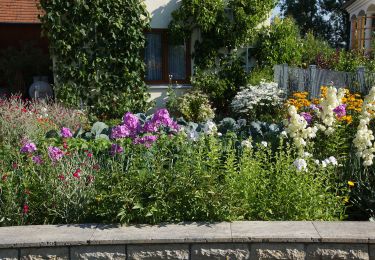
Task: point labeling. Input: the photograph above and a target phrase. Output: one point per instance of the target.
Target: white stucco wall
(160, 11)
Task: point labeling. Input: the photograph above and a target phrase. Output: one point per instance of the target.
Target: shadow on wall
(161, 16)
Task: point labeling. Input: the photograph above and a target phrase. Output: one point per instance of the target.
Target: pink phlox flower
(28, 147)
(55, 153)
(340, 111)
(65, 132)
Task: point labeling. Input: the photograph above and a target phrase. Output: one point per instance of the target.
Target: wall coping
(223, 232)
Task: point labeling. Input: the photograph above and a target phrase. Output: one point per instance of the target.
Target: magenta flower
(340, 111)
(147, 140)
(55, 153)
(28, 147)
(150, 127)
(307, 116)
(120, 131)
(132, 123)
(116, 149)
(37, 159)
(66, 133)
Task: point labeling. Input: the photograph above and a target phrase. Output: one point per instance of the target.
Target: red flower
(4, 178)
(89, 155)
(96, 167)
(25, 209)
(14, 165)
(76, 174)
(24, 110)
(61, 177)
(65, 145)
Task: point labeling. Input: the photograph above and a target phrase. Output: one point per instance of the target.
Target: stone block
(337, 251)
(115, 252)
(220, 251)
(274, 251)
(55, 253)
(162, 251)
(8, 254)
(372, 251)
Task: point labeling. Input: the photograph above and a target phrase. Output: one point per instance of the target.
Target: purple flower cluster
(28, 147)
(147, 140)
(66, 133)
(142, 134)
(307, 116)
(55, 153)
(116, 149)
(159, 119)
(129, 127)
(340, 111)
(37, 159)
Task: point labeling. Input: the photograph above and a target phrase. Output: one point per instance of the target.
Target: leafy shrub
(195, 106)
(259, 74)
(279, 44)
(222, 82)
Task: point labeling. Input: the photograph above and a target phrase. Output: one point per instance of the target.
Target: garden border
(236, 240)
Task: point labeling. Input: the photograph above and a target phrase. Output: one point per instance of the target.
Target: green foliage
(97, 47)
(221, 83)
(345, 61)
(312, 47)
(194, 106)
(211, 179)
(259, 74)
(279, 44)
(225, 26)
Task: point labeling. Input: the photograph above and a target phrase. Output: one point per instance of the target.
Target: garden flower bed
(152, 169)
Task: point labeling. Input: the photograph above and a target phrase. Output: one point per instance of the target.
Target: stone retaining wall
(237, 240)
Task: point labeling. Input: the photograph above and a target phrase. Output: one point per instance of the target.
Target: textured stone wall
(199, 251)
(192, 241)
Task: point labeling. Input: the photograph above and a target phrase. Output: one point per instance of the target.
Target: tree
(97, 47)
(325, 18)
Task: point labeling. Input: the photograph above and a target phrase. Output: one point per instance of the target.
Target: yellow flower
(346, 200)
(348, 119)
(351, 184)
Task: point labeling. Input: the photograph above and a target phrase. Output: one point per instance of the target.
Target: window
(163, 58)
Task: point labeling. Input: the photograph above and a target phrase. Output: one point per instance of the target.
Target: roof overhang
(347, 4)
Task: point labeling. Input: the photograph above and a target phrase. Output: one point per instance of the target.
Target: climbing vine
(97, 48)
(224, 26)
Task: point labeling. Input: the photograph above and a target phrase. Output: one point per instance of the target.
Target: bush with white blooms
(250, 98)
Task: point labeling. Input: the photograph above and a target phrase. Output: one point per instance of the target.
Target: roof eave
(347, 4)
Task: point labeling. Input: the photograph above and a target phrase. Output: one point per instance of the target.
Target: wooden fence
(297, 79)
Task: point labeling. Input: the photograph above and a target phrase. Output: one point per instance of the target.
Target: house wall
(357, 10)
(161, 15)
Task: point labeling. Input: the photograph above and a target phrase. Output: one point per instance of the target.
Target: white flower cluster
(331, 160)
(297, 128)
(300, 164)
(328, 104)
(265, 94)
(364, 136)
